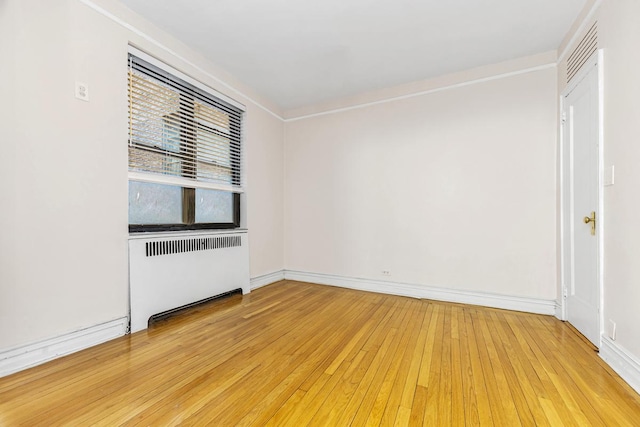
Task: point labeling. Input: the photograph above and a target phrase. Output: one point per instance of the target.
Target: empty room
(332, 213)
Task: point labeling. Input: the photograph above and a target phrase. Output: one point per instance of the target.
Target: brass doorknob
(592, 220)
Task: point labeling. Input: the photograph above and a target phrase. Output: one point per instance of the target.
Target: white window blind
(180, 134)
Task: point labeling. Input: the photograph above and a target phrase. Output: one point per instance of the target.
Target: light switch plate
(609, 175)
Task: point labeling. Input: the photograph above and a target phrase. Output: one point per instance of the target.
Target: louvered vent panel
(168, 247)
(587, 47)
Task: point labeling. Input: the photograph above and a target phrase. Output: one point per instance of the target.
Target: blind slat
(171, 81)
(177, 133)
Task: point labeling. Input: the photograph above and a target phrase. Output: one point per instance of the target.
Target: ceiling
(302, 52)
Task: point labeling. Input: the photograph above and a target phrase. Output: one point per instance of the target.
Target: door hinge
(565, 294)
(563, 117)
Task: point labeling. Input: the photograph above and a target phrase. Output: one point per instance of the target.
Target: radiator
(170, 272)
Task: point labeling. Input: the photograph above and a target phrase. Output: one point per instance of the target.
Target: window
(184, 151)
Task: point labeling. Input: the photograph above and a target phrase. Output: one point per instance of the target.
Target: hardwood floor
(301, 354)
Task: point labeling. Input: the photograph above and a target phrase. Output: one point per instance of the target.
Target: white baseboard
(266, 279)
(529, 305)
(621, 361)
(23, 357)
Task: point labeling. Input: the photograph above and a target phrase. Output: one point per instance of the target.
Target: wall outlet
(386, 273)
(82, 91)
(612, 333)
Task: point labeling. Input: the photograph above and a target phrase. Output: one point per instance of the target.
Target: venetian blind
(180, 134)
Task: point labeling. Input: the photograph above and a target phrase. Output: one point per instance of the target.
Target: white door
(581, 220)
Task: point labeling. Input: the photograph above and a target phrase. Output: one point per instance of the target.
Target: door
(581, 222)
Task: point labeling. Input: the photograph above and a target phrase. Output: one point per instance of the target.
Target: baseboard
(624, 363)
(529, 305)
(23, 357)
(266, 279)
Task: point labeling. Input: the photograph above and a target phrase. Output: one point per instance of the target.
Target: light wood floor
(300, 354)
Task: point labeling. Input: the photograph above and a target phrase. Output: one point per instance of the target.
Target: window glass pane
(154, 111)
(213, 147)
(214, 206)
(158, 161)
(171, 133)
(154, 203)
(212, 170)
(213, 144)
(211, 117)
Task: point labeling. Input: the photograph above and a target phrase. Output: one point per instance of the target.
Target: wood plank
(485, 417)
(407, 377)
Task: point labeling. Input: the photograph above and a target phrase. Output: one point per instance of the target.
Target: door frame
(596, 60)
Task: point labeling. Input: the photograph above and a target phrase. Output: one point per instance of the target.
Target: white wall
(8, 173)
(63, 249)
(454, 189)
(265, 177)
(619, 36)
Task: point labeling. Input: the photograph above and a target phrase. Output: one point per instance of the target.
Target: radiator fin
(169, 247)
(587, 47)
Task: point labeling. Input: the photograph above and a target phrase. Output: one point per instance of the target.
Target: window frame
(140, 228)
(188, 199)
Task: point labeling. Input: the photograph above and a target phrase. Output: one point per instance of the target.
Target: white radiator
(170, 272)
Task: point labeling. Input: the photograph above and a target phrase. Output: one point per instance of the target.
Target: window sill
(208, 232)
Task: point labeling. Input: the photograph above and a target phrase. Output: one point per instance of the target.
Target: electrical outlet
(386, 273)
(82, 91)
(612, 335)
